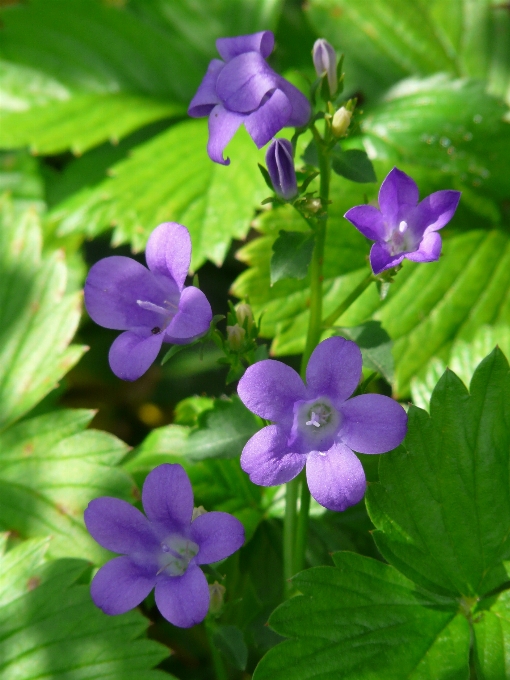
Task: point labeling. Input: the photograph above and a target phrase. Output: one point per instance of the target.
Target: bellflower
(317, 425)
(241, 88)
(151, 306)
(402, 227)
(324, 60)
(280, 165)
(162, 550)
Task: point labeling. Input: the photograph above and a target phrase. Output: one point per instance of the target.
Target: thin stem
(219, 667)
(302, 527)
(352, 297)
(289, 531)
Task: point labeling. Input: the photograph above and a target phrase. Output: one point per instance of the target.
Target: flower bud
(324, 60)
(341, 121)
(280, 166)
(235, 336)
(216, 596)
(197, 512)
(244, 312)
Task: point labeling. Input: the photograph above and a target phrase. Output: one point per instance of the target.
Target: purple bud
(280, 165)
(324, 60)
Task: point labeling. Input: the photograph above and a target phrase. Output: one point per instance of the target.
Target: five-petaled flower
(404, 228)
(244, 89)
(162, 550)
(317, 425)
(151, 305)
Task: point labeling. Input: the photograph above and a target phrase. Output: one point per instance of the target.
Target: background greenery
(96, 150)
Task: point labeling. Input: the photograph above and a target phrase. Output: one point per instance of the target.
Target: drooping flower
(280, 165)
(162, 550)
(317, 425)
(324, 60)
(151, 306)
(244, 89)
(402, 227)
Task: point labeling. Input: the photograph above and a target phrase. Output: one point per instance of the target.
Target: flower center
(315, 425)
(401, 239)
(320, 416)
(176, 554)
(167, 310)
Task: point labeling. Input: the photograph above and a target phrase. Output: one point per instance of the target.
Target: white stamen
(151, 307)
(402, 227)
(314, 421)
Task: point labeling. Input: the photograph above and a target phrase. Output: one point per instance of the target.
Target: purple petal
(118, 526)
(183, 600)
(167, 497)
(267, 460)
(269, 119)
(113, 287)
(169, 251)
(398, 194)
(336, 478)
(373, 423)
(223, 125)
(436, 210)
(120, 585)
(270, 388)
(206, 98)
(334, 370)
(193, 318)
(429, 250)
(132, 353)
(324, 60)
(301, 109)
(368, 220)
(381, 259)
(217, 535)
(262, 42)
(244, 82)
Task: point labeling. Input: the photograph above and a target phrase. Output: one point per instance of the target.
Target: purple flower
(403, 227)
(280, 165)
(151, 305)
(317, 425)
(324, 60)
(162, 550)
(244, 89)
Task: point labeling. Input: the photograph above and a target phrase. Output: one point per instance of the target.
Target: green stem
(219, 667)
(289, 531)
(302, 527)
(352, 297)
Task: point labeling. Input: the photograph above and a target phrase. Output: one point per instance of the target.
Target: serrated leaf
(292, 254)
(50, 468)
(442, 507)
(375, 345)
(50, 627)
(364, 621)
(37, 318)
(171, 177)
(353, 164)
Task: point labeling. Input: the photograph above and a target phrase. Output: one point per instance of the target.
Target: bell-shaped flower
(241, 88)
(317, 424)
(151, 306)
(280, 165)
(402, 227)
(162, 550)
(324, 60)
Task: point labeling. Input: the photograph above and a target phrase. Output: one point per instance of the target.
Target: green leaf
(292, 254)
(50, 627)
(364, 621)
(375, 345)
(353, 164)
(19, 175)
(442, 507)
(170, 177)
(37, 318)
(492, 637)
(50, 468)
(230, 641)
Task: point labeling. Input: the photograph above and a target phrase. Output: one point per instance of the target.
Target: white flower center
(176, 554)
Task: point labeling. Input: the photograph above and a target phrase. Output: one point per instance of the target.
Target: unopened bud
(235, 335)
(244, 313)
(216, 597)
(324, 60)
(341, 121)
(197, 512)
(313, 205)
(280, 165)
